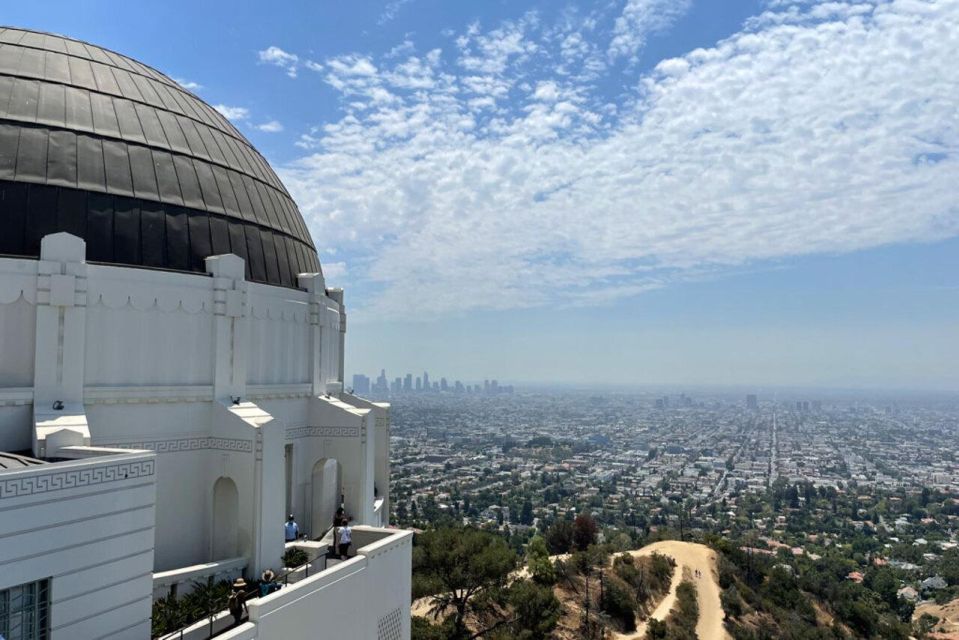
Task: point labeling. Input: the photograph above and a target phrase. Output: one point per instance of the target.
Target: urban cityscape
(858, 484)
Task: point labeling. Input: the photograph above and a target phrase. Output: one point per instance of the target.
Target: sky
(750, 192)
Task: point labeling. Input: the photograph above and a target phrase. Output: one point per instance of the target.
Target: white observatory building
(171, 371)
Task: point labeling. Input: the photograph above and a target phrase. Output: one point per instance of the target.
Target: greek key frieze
(177, 445)
(322, 432)
(75, 478)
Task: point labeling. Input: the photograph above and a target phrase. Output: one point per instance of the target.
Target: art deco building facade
(171, 368)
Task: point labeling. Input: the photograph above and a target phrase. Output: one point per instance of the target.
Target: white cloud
(188, 85)
(280, 58)
(390, 11)
(273, 126)
(807, 132)
(334, 271)
(233, 113)
(640, 19)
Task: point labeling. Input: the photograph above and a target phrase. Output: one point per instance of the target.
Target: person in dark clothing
(237, 601)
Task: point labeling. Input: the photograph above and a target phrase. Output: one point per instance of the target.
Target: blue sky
(639, 191)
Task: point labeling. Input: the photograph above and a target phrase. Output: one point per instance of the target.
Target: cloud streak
(497, 176)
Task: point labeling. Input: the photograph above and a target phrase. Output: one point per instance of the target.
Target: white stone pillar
(337, 295)
(60, 344)
(229, 326)
(316, 287)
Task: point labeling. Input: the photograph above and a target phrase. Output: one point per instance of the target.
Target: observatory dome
(104, 147)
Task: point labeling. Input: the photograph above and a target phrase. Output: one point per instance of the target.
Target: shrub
(294, 557)
(619, 605)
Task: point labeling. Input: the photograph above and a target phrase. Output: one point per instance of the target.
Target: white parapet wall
(364, 598)
(86, 526)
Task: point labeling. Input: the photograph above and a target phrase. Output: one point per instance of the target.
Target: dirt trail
(690, 558)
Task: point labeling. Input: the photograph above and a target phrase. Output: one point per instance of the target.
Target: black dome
(108, 149)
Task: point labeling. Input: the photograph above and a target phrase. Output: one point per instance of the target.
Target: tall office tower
(494, 386)
(419, 383)
(817, 405)
(485, 386)
(408, 382)
(751, 401)
(163, 278)
(426, 381)
(382, 386)
(458, 387)
(361, 384)
(443, 385)
(659, 403)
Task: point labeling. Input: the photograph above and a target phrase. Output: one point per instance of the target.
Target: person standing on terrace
(291, 529)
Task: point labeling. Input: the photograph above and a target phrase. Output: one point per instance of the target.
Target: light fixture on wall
(235, 400)
(57, 405)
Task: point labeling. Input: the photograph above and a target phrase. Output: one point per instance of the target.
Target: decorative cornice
(177, 445)
(75, 478)
(322, 432)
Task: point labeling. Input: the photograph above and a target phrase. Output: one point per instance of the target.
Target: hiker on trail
(291, 529)
(237, 601)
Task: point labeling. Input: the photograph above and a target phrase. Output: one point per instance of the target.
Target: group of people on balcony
(342, 537)
(342, 532)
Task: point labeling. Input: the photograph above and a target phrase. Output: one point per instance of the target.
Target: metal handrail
(255, 592)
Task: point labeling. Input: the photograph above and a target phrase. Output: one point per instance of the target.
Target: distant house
(855, 576)
(909, 594)
(933, 584)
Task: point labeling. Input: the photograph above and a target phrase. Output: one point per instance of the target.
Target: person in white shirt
(346, 539)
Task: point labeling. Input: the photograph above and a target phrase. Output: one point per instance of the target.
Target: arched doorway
(326, 483)
(226, 519)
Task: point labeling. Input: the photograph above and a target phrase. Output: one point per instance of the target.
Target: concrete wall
(366, 597)
(87, 525)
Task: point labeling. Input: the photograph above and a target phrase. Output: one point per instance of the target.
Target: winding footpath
(690, 558)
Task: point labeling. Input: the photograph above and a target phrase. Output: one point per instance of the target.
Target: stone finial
(63, 247)
(227, 265)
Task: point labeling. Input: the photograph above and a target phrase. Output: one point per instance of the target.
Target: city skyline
(383, 386)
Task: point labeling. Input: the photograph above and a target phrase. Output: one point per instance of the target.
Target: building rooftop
(16, 461)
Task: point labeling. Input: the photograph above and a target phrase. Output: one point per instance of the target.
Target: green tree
(462, 564)
(535, 610)
(584, 531)
(559, 537)
(526, 515)
(540, 566)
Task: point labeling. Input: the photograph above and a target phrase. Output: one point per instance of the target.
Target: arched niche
(226, 519)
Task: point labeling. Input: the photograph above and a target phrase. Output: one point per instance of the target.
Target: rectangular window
(25, 611)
